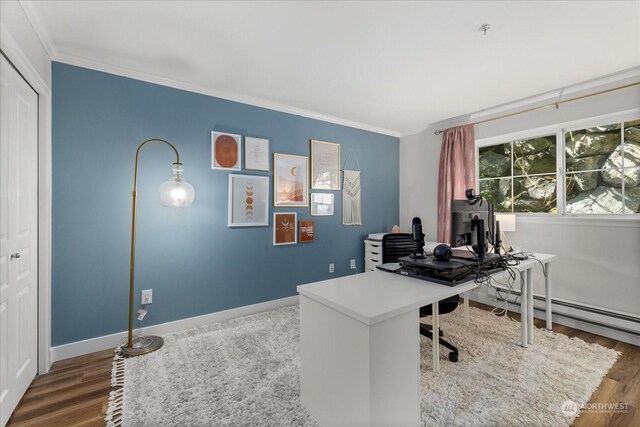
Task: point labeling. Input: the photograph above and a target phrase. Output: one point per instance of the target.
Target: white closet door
(18, 238)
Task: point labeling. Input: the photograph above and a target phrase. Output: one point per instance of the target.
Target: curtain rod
(552, 104)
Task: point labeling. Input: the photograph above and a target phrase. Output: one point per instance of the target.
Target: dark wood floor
(75, 391)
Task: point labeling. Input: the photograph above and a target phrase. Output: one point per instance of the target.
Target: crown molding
(43, 33)
(543, 98)
(11, 48)
(257, 102)
(41, 29)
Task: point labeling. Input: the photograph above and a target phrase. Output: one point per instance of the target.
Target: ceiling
(392, 66)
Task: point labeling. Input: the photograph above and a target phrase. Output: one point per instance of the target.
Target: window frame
(559, 130)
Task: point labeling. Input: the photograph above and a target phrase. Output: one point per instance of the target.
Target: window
(603, 169)
(599, 172)
(519, 176)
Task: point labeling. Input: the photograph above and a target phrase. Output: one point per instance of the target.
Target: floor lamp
(173, 193)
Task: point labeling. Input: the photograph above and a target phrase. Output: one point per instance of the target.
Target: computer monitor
(463, 227)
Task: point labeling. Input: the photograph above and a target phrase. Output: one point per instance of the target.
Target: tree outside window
(603, 169)
(600, 171)
(520, 176)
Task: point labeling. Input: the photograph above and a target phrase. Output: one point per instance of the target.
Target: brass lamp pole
(174, 193)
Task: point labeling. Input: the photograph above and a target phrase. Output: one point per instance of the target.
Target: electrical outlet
(147, 296)
(353, 264)
(331, 268)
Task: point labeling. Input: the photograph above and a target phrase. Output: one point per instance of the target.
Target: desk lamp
(504, 222)
(173, 193)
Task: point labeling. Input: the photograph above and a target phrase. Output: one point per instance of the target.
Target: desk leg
(530, 306)
(466, 308)
(436, 337)
(355, 374)
(547, 296)
(523, 310)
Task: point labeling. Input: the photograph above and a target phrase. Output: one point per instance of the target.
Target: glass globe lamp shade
(176, 193)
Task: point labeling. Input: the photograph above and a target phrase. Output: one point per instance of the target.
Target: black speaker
(442, 252)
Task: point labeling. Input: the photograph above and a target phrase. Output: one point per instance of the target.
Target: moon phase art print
(248, 201)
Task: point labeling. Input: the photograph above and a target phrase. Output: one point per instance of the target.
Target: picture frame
(285, 228)
(256, 154)
(290, 180)
(322, 204)
(307, 231)
(325, 165)
(248, 202)
(226, 151)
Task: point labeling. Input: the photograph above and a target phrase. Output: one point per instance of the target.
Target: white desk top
(376, 295)
(532, 261)
(545, 258)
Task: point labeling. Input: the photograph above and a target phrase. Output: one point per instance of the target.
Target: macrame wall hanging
(351, 207)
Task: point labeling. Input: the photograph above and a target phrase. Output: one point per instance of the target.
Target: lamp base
(142, 345)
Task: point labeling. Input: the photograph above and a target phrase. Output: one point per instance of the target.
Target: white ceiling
(393, 66)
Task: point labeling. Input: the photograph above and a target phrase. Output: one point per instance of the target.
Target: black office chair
(397, 245)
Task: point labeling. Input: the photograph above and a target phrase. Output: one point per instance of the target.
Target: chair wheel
(453, 356)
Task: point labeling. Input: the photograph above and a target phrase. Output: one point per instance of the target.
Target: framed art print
(285, 228)
(248, 203)
(321, 204)
(226, 151)
(256, 154)
(325, 165)
(307, 231)
(290, 180)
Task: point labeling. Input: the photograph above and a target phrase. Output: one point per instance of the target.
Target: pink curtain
(457, 173)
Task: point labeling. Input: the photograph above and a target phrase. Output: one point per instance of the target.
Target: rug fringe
(117, 371)
(115, 407)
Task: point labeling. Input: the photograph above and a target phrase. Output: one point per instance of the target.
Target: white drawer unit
(372, 254)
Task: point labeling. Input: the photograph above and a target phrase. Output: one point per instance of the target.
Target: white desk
(526, 292)
(360, 343)
(525, 269)
(526, 295)
(360, 347)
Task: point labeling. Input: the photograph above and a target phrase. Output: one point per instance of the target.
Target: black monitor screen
(462, 214)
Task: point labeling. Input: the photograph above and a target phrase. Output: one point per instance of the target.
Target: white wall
(419, 158)
(599, 259)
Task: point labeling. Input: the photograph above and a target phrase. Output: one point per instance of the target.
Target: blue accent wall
(193, 262)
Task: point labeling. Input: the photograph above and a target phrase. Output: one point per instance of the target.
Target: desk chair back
(396, 245)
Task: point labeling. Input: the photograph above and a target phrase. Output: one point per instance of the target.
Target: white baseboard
(559, 317)
(79, 348)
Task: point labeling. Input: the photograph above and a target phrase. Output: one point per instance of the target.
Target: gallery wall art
(290, 180)
(226, 151)
(321, 204)
(248, 203)
(307, 231)
(256, 154)
(325, 165)
(285, 228)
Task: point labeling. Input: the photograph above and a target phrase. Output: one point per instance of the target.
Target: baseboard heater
(594, 310)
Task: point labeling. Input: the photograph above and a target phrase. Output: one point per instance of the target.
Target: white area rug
(245, 372)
